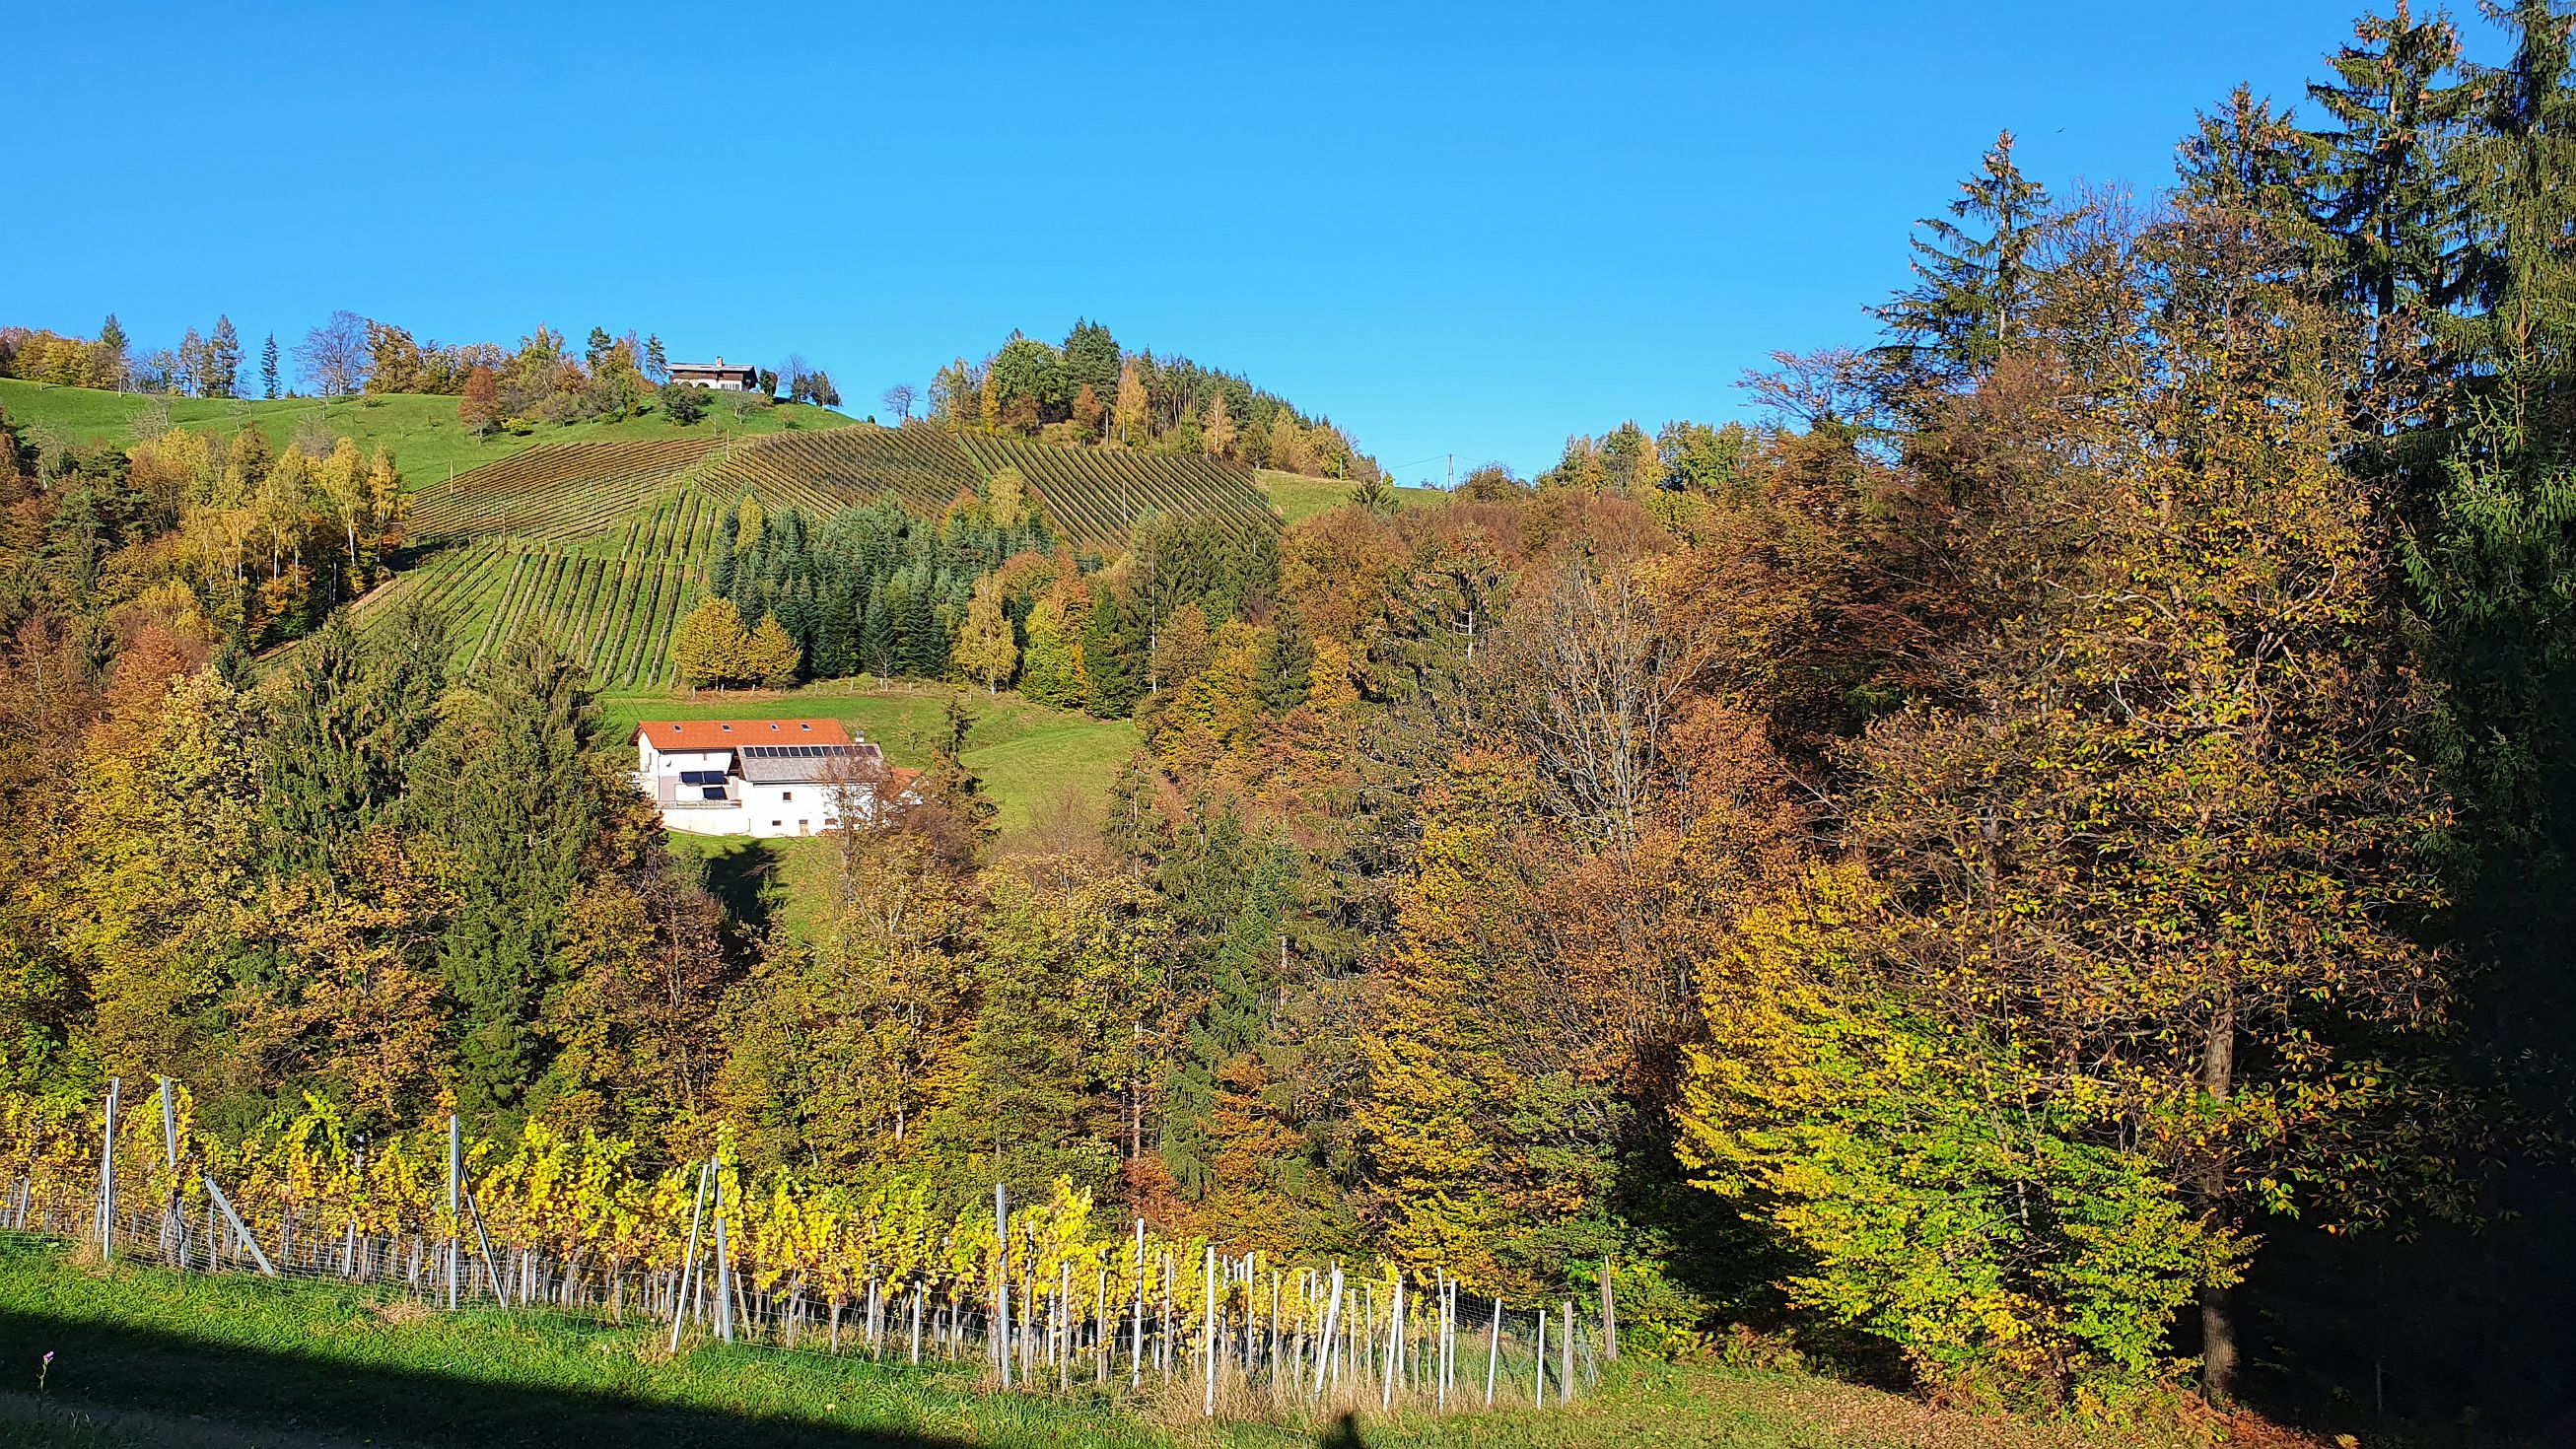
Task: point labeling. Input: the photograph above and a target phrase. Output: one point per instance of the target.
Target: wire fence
(1244, 1336)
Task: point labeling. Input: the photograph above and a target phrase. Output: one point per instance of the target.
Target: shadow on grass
(125, 1371)
(744, 876)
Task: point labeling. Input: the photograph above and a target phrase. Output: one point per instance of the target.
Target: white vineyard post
(1002, 1280)
(688, 1262)
(1493, 1348)
(1208, 1405)
(107, 1175)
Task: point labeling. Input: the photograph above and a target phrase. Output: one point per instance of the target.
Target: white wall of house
(757, 809)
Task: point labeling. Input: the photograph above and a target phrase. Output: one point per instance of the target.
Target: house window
(804, 827)
(786, 794)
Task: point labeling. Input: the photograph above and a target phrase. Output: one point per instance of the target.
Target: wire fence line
(1036, 1297)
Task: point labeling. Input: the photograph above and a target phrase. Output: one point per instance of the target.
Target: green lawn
(1037, 765)
(423, 432)
(144, 1356)
(1297, 496)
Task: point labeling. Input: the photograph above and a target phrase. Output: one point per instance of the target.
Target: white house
(761, 777)
(721, 375)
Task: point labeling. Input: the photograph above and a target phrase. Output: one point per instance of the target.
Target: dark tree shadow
(743, 875)
(119, 1372)
(1345, 1434)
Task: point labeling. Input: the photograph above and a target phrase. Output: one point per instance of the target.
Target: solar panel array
(795, 752)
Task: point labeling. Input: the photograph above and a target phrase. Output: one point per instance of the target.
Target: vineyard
(605, 543)
(613, 600)
(1044, 1294)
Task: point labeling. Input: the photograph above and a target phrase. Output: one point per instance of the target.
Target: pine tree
(508, 789)
(223, 359)
(106, 366)
(268, 368)
(1233, 896)
(925, 639)
(1112, 659)
(1971, 292)
(1285, 666)
(2380, 201)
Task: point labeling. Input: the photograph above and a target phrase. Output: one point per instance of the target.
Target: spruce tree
(507, 791)
(1232, 896)
(1112, 656)
(1972, 292)
(2380, 199)
(268, 368)
(223, 360)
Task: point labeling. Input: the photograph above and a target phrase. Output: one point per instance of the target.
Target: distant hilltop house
(762, 777)
(721, 375)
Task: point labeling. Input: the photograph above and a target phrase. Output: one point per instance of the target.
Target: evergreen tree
(1112, 660)
(1284, 668)
(1233, 896)
(925, 639)
(268, 368)
(506, 789)
(2379, 183)
(1972, 292)
(223, 359)
(345, 731)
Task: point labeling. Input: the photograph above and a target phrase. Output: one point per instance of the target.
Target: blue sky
(1468, 231)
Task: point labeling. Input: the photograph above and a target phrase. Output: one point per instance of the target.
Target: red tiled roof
(725, 734)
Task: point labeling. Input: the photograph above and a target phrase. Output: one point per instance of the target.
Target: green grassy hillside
(426, 439)
(1294, 496)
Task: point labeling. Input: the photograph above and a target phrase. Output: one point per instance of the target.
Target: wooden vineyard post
(1493, 1348)
(1002, 1280)
(1609, 1317)
(688, 1261)
(1565, 1356)
(1207, 1408)
(107, 1175)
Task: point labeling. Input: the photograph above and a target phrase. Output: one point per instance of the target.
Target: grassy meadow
(426, 439)
(1297, 496)
(143, 1356)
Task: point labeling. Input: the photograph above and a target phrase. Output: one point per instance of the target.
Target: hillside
(422, 431)
(606, 540)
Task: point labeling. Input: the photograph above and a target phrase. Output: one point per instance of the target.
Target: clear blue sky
(1467, 230)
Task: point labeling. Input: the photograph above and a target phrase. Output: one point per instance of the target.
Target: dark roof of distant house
(808, 764)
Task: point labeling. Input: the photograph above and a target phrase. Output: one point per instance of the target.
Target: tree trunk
(2217, 1307)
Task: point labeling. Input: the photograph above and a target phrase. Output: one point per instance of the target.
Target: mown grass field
(1297, 496)
(1038, 765)
(148, 1357)
(426, 439)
